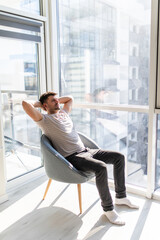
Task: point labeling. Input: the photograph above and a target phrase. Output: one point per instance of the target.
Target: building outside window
(30, 6)
(94, 69)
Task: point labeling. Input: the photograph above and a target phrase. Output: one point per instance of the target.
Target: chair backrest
(58, 168)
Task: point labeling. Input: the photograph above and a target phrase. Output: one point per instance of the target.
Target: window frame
(45, 83)
(158, 68)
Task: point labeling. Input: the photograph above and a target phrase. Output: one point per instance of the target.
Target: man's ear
(44, 106)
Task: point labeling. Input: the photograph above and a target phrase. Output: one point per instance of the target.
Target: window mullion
(3, 193)
(152, 97)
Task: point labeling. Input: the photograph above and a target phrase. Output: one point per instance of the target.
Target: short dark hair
(45, 96)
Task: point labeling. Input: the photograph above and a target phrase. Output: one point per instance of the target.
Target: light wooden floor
(25, 216)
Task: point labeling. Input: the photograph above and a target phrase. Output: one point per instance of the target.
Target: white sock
(125, 201)
(114, 218)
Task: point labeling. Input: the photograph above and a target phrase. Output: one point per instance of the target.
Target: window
(133, 136)
(97, 68)
(19, 74)
(135, 29)
(134, 52)
(134, 73)
(30, 80)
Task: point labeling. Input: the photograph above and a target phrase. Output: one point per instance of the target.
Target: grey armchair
(59, 169)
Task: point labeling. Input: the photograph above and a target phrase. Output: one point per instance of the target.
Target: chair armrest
(88, 142)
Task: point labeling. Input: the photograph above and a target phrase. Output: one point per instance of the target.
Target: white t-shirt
(59, 129)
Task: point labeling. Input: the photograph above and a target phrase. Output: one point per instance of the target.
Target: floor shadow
(61, 193)
(88, 209)
(38, 205)
(99, 229)
(45, 223)
(141, 220)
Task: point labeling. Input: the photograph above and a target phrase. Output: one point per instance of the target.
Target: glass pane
(30, 6)
(104, 50)
(118, 131)
(21, 136)
(18, 65)
(19, 80)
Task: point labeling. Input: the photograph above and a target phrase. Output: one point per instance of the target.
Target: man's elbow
(24, 104)
(71, 98)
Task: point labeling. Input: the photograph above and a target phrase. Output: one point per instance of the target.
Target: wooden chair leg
(48, 185)
(79, 197)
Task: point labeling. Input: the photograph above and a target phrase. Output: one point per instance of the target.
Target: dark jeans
(95, 160)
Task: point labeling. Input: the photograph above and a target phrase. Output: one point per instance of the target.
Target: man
(58, 127)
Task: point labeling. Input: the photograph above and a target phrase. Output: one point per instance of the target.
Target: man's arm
(30, 109)
(67, 101)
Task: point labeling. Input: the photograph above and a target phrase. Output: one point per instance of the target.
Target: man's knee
(121, 159)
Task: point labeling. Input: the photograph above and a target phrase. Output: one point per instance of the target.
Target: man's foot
(125, 201)
(114, 218)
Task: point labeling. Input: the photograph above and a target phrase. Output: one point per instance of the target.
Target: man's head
(50, 102)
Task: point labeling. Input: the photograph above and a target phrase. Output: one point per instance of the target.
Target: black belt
(85, 150)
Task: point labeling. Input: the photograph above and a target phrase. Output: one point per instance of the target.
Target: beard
(57, 107)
